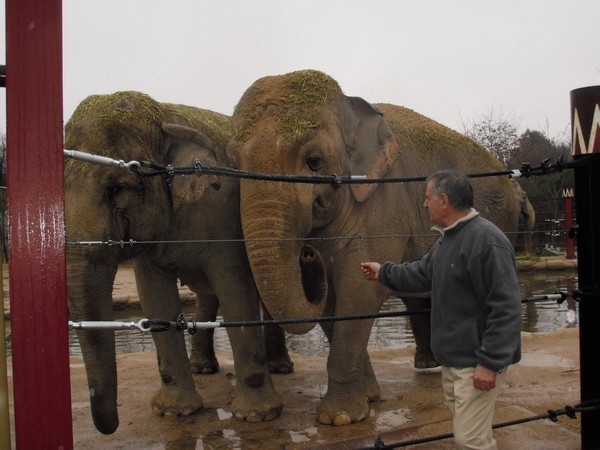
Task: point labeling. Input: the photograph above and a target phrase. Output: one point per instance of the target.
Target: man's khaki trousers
(472, 410)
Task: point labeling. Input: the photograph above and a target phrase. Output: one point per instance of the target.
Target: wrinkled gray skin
(110, 203)
(300, 266)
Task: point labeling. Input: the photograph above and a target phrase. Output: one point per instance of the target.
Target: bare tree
(497, 131)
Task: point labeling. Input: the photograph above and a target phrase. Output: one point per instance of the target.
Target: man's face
(434, 205)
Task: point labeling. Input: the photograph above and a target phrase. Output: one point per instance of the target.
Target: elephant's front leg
(255, 399)
(202, 355)
(159, 298)
(351, 380)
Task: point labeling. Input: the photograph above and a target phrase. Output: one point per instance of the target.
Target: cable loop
(552, 415)
(571, 412)
(563, 296)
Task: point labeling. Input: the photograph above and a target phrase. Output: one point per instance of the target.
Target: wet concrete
(411, 406)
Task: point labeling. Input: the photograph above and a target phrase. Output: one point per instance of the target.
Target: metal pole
(585, 120)
(568, 196)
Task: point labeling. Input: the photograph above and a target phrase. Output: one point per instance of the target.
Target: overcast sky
(451, 60)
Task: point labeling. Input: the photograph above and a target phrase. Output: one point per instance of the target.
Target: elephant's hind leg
(202, 355)
(278, 358)
(255, 399)
(421, 329)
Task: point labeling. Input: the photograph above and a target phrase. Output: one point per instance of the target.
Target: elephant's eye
(114, 190)
(115, 195)
(314, 163)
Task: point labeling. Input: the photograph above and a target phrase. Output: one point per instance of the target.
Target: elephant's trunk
(290, 276)
(529, 215)
(90, 298)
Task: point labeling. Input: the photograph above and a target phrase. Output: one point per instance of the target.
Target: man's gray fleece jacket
(475, 302)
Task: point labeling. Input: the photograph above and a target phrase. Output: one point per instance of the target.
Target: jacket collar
(470, 215)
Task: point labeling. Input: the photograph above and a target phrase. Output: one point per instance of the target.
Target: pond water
(390, 332)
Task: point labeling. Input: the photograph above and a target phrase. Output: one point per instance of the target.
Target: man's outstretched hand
(370, 270)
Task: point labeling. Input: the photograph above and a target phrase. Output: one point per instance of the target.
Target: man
(475, 304)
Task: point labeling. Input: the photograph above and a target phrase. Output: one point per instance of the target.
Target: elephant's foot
(169, 401)
(339, 411)
(278, 358)
(425, 360)
(282, 364)
(372, 391)
(204, 364)
(256, 405)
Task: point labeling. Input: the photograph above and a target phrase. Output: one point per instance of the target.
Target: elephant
(160, 215)
(305, 241)
(526, 215)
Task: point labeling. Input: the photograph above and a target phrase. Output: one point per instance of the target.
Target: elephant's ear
(181, 146)
(371, 144)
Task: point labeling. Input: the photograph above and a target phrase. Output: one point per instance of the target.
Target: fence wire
(181, 324)
(553, 415)
(151, 169)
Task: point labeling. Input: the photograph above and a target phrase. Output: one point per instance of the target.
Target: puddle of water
(389, 332)
(544, 360)
(392, 420)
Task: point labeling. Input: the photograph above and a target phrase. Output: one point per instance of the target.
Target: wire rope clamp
(169, 175)
(336, 182)
(198, 167)
(181, 324)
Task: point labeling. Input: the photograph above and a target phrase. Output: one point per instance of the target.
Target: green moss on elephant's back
(432, 142)
(217, 127)
(98, 122)
(290, 100)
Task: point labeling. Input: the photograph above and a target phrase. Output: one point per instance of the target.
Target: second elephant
(186, 228)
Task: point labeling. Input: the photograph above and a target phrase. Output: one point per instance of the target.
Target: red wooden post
(39, 316)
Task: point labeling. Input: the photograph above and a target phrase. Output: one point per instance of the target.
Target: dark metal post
(585, 120)
(570, 244)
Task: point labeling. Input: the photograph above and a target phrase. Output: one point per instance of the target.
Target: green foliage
(545, 193)
(498, 132)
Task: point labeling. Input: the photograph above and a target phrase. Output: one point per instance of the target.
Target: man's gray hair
(455, 185)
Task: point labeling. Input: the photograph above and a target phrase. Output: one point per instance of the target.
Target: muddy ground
(411, 406)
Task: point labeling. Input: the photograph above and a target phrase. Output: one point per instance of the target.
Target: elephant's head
(301, 123)
(113, 204)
